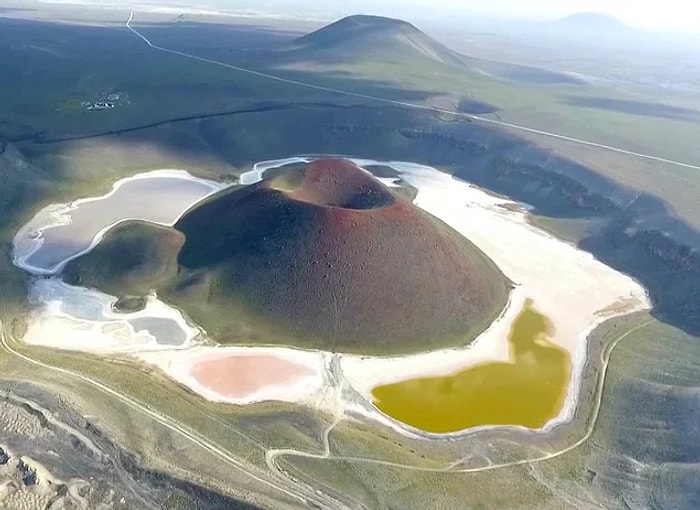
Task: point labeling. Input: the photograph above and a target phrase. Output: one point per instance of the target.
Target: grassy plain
(582, 476)
(521, 96)
(642, 452)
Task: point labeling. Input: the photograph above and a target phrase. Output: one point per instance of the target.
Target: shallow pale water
(152, 197)
(568, 286)
(166, 331)
(528, 390)
(88, 309)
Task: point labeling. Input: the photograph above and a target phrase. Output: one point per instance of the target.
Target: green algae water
(528, 390)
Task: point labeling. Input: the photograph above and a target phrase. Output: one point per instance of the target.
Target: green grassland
(133, 259)
(539, 106)
(87, 62)
(643, 449)
(530, 97)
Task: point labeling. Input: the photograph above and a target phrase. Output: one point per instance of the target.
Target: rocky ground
(51, 458)
(26, 483)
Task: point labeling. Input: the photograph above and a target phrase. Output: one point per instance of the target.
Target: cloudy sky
(648, 13)
(658, 14)
(667, 15)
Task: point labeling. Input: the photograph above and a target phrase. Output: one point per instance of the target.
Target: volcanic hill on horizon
(363, 36)
(591, 21)
(330, 257)
(370, 44)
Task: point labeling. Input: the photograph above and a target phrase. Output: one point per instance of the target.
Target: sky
(643, 13)
(666, 15)
(661, 15)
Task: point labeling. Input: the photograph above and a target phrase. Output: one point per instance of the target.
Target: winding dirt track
(272, 455)
(298, 491)
(278, 479)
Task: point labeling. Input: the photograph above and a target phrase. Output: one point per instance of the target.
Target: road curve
(410, 105)
(272, 455)
(308, 494)
(304, 496)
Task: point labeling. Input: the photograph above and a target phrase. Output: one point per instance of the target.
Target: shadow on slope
(327, 257)
(642, 237)
(367, 42)
(643, 108)
(87, 63)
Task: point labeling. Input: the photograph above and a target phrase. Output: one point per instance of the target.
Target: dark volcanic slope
(361, 36)
(328, 254)
(369, 40)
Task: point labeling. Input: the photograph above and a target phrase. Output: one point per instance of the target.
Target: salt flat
(75, 318)
(570, 287)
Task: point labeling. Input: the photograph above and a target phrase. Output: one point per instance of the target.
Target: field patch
(643, 108)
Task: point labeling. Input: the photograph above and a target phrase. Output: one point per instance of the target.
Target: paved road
(470, 116)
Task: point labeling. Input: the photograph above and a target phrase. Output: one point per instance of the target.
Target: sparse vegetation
(133, 259)
(322, 257)
(214, 121)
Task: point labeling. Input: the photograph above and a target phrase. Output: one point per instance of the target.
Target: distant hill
(591, 21)
(362, 36)
(328, 257)
(376, 40)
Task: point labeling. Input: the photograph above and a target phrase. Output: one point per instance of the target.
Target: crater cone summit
(327, 256)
